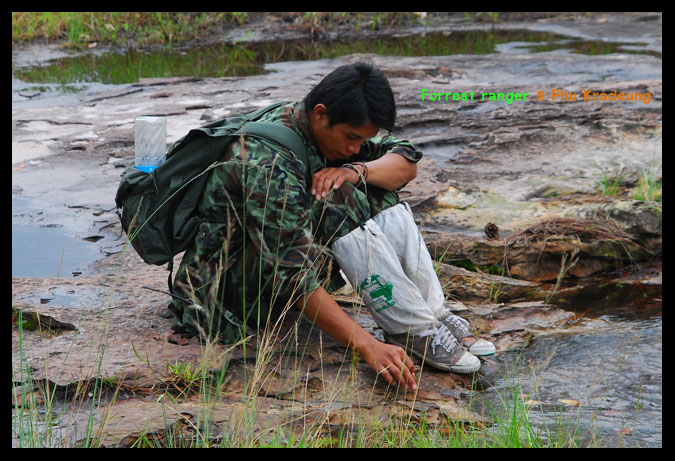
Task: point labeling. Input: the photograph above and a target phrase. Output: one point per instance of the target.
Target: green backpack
(159, 209)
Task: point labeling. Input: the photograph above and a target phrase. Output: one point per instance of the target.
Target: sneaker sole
(465, 370)
(462, 370)
(482, 352)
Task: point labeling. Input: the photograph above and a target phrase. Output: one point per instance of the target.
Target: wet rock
(422, 192)
(509, 325)
(129, 344)
(462, 284)
(34, 321)
(637, 288)
(539, 257)
(515, 165)
(641, 220)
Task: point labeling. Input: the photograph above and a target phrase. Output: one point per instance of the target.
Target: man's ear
(320, 112)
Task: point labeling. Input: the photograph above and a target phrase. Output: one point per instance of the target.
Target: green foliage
(610, 185)
(79, 29)
(649, 187)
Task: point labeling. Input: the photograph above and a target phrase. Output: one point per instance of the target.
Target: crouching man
(273, 235)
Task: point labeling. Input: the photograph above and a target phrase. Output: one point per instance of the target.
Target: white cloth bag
(371, 261)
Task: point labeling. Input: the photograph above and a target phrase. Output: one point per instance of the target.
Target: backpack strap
(283, 135)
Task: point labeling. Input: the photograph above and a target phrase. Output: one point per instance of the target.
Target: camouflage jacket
(257, 224)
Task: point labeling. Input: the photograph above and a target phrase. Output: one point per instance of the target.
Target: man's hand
(331, 178)
(391, 362)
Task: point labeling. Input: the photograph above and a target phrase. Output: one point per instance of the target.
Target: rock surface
(517, 165)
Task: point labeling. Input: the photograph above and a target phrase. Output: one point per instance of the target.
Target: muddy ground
(531, 168)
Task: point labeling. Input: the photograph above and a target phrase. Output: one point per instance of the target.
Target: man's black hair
(355, 94)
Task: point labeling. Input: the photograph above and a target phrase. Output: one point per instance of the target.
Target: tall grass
(509, 423)
(610, 184)
(78, 29)
(40, 407)
(508, 419)
(650, 186)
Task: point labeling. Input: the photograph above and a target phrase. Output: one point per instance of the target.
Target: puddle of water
(609, 382)
(73, 295)
(49, 252)
(240, 59)
(603, 379)
(593, 47)
(51, 238)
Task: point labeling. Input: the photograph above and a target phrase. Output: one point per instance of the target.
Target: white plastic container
(150, 142)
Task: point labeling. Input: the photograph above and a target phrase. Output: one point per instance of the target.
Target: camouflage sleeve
(376, 147)
(277, 218)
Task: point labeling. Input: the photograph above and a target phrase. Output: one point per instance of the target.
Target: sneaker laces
(442, 336)
(460, 323)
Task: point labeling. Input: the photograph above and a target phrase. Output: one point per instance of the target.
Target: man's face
(342, 140)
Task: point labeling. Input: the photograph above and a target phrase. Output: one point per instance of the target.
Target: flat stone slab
(514, 165)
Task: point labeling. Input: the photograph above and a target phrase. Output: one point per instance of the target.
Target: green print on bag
(379, 289)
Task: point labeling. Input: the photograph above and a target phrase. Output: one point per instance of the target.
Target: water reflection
(49, 252)
(240, 59)
(602, 380)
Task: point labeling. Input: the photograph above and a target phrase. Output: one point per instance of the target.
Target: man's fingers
(328, 179)
(317, 185)
(387, 377)
(321, 184)
(410, 366)
(409, 376)
(393, 375)
(408, 371)
(338, 182)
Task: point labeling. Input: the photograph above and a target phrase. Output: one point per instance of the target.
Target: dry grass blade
(587, 230)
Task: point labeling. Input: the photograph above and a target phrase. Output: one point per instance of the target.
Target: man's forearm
(321, 308)
(391, 171)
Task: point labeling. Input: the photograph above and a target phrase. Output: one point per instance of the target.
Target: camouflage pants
(229, 292)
